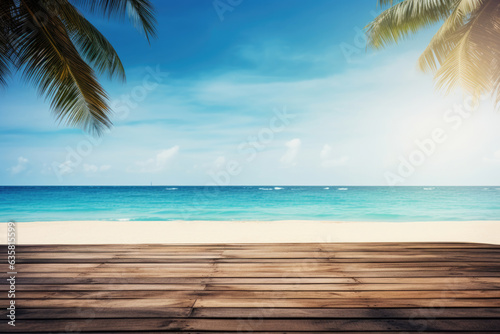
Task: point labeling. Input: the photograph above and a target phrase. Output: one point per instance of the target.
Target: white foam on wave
(171, 188)
(277, 188)
(429, 188)
(326, 188)
(123, 219)
(342, 188)
(265, 188)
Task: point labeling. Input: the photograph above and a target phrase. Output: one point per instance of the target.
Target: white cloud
(90, 168)
(327, 161)
(22, 164)
(290, 157)
(104, 168)
(348, 108)
(158, 163)
(94, 169)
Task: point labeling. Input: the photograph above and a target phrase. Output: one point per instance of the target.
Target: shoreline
(217, 232)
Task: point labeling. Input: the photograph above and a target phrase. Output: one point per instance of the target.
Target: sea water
(276, 202)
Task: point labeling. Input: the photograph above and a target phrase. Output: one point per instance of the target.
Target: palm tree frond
(469, 63)
(50, 60)
(445, 39)
(385, 3)
(489, 36)
(4, 59)
(406, 17)
(7, 24)
(96, 49)
(139, 12)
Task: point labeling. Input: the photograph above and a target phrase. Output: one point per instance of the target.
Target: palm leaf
(383, 3)
(445, 39)
(468, 64)
(488, 37)
(50, 60)
(404, 18)
(139, 12)
(91, 44)
(7, 8)
(4, 59)
(464, 52)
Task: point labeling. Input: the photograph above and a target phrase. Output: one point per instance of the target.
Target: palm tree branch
(468, 63)
(139, 12)
(52, 62)
(406, 17)
(384, 3)
(488, 37)
(96, 49)
(6, 27)
(445, 39)
(4, 59)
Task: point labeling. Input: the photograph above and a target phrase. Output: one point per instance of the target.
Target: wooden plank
(359, 287)
(297, 262)
(234, 286)
(331, 325)
(109, 312)
(248, 267)
(444, 281)
(248, 313)
(259, 254)
(345, 303)
(355, 255)
(354, 287)
(339, 313)
(123, 286)
(258, 294)
(125, 275)
(325, 259)
(103, 303)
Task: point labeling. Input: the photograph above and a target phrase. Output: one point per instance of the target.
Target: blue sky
(267, 92)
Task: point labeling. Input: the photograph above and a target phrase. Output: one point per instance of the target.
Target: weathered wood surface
(264, 288)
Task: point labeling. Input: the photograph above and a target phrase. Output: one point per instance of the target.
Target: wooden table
(331, 287)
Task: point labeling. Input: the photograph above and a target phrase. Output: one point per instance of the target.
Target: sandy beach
(205, 232)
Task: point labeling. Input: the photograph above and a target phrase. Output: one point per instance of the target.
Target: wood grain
(265, 288)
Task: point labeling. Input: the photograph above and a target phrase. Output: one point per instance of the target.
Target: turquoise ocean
(344, 203)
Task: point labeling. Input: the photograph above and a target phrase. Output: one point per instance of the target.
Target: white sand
(113, 232)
